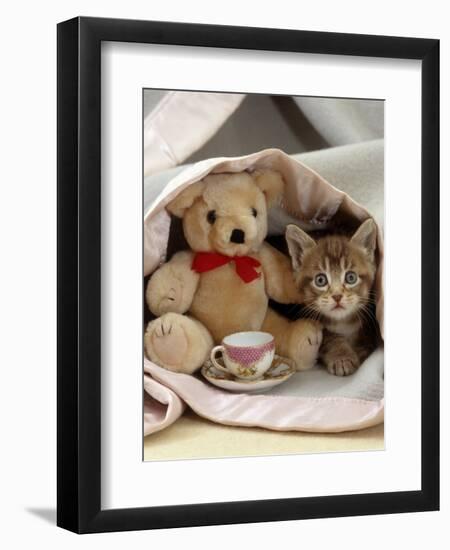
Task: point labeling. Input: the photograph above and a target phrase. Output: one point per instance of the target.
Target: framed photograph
(248, 275)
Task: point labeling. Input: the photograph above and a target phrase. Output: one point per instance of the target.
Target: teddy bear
(223, 283)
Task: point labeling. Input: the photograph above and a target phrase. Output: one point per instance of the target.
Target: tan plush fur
(197, 310)
(335, 276)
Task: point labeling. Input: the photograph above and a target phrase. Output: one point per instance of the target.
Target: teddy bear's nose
(237, 236)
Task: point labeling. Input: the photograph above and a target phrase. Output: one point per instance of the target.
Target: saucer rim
(258, 381)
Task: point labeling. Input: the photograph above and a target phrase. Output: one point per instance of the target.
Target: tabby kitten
(335, 274)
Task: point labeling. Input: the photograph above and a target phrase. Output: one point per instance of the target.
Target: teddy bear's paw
(176, 342)
(166, 342)
(171, 300)
(305, 343)
(165, 292)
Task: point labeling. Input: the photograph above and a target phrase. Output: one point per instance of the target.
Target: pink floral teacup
(246, 355)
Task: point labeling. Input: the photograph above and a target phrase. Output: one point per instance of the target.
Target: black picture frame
(79, 280)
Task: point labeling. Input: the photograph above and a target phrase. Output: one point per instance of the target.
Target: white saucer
(282, 368)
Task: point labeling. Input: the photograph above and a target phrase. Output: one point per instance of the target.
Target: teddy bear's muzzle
(237, 236)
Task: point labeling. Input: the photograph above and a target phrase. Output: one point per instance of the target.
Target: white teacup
(247, 355)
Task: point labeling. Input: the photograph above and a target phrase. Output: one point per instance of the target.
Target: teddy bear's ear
(270, 182)
(185, 199)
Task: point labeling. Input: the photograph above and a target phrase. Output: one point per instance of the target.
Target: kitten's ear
(298, 242)
(366, 236)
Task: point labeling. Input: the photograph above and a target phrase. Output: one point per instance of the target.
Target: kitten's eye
(321, 280)
(254, 212)
(211, 216)
(351, 277)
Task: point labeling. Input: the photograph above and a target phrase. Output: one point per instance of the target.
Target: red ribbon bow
(245, 265)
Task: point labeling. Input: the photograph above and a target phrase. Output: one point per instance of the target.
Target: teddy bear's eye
(211, 216)
(254, 212)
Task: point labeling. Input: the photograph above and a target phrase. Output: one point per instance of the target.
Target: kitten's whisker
(366, 322)
(360, 319)
(367, 301)
(369, 310)
(368, 316)
(311, 312)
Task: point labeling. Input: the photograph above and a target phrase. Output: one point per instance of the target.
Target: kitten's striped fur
(335, 275)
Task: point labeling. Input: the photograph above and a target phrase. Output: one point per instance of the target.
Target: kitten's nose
(337, 297)
(237, 236)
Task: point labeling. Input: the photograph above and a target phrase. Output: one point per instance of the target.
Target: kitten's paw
(343, 366)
